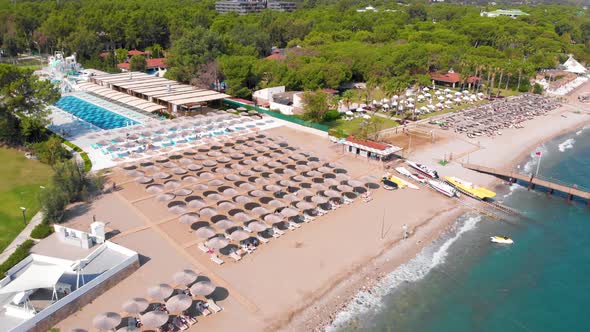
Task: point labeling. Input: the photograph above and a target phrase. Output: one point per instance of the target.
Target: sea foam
(567, 144)
(365, 302)
(530, 165)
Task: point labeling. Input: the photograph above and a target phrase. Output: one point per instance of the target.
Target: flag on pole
(538, 153)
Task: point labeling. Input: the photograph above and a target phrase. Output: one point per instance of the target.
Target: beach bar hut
(369, 149)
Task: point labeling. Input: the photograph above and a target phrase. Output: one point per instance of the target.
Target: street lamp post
(24, 209)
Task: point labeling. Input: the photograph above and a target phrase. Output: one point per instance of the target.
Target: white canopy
(37, 275)
(573, 66)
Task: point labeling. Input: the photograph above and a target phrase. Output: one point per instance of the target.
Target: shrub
(537, 89)
(50, 151)
(339, 133)
(331, 115)
(41, 231)
(18, 255)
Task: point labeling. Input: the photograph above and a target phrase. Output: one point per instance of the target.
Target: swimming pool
(93, 114)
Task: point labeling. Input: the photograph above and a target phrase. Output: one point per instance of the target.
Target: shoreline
(321, 313)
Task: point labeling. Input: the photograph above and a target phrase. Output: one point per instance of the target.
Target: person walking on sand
(405, 228)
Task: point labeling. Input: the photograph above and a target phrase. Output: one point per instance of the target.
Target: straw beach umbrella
(202, 288)
(154, 319)
(205, 232)
(239, 235)
(289, 212)
(257, 226)
(217, 242)
(136, 305)
(106, 321)
(185, 277)
(160, 291)
(179, 303)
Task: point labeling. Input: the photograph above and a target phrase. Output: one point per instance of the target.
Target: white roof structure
(573, 66)
(36, 276)
(156, 89)
(142, 104)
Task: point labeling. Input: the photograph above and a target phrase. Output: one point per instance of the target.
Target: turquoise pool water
(93, 114)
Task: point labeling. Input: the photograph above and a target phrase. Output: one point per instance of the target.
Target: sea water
(463, 282)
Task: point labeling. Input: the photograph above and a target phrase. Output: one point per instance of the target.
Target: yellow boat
(470, 189)
(400, 183)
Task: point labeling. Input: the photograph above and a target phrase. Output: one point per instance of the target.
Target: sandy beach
(300, 281)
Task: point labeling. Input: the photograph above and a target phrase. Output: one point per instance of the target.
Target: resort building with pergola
(174, 96)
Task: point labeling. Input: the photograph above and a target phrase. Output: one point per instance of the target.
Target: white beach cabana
(37, 275)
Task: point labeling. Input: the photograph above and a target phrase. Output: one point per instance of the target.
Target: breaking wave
(416, 269)
(567, 144)
(530, 165)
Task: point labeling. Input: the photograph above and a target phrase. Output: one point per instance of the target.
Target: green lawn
(19, 186)
(353, 127)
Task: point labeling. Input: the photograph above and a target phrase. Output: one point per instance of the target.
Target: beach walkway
(571, 190)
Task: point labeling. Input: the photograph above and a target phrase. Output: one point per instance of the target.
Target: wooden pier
(571, 191)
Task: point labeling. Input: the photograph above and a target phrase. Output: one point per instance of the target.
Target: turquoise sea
(464, 283)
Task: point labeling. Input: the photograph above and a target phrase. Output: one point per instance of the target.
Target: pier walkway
(553, 185)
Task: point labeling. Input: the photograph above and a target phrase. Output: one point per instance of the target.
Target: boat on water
(423, 169)
(501, 239)
(443, 188)
(469, 188)
(388, 184)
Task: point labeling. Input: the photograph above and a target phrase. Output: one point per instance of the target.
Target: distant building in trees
(514, 13)
(445, 78)
(243, 7)
(151, 64)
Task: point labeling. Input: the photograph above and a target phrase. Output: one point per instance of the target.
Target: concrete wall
(266, 94)
(285, 109)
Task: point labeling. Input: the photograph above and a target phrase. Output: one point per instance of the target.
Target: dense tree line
(328, 42)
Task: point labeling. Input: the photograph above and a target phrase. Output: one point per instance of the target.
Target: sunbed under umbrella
(106, 321)
(154, 319)
(136, 305)
(202, 288)
(160, 291)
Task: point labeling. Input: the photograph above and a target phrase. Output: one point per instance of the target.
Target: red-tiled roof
(150, 63)
(369, 144)
(275, 56)
(446, 77)
(473, 79)
(135, 52)
(104, 54)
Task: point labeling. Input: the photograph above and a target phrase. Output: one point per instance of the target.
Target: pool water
(93, 114)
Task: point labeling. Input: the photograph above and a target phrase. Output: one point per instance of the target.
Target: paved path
(22, 237)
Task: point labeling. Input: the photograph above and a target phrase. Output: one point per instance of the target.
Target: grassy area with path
(19, 186)
(353, 127)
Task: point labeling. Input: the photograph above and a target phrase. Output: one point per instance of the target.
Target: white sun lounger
(203, 247)
(294, 224)
(213, 306)
(247, 229)
(262, 239)
(216, 259)
(235, 256)
(276, 230)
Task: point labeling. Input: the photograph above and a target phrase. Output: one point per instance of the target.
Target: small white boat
(423, 169)
(417, 177)
(501, 239)
(443, 188)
